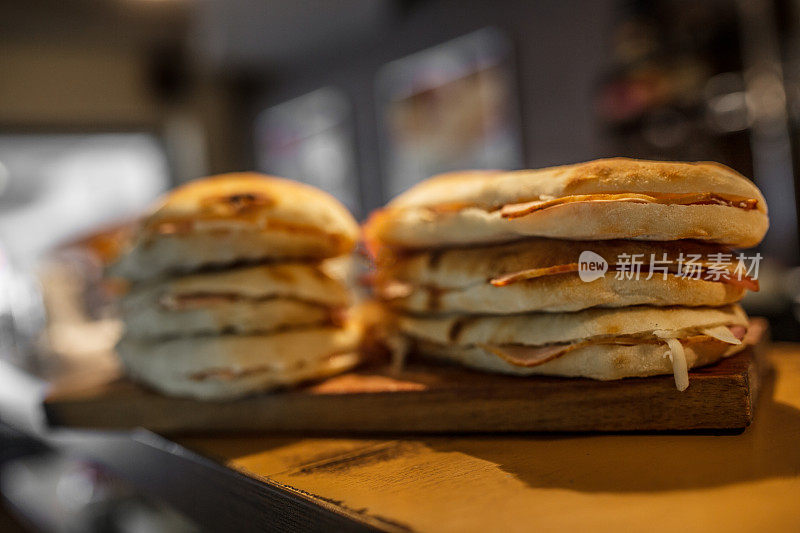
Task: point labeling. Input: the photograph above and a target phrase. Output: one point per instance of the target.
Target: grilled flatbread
(543, 275)
(603, 199)
(233, 218)
(253, 299)
(229, 366)
(224, 315)
(598, 344)
(597, 361)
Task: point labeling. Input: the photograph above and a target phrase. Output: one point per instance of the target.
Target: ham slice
(744, 283)
(738, 331)
(526, 208)
(530, 356)
(533, 273)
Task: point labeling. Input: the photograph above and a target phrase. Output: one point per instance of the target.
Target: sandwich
(235, 218)
(487, 269)
(540, 274)
(251, 299)
(229, 366)
(604, 199)
(237, 286)
(602, 344)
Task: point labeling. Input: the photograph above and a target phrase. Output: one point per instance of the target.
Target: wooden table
(678, 482)
(744, 482)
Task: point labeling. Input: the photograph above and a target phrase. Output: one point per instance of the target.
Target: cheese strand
(679, 368)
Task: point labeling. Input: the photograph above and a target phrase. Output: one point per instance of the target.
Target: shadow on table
(619, 463)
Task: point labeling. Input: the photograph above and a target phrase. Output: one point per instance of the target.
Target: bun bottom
(598, 361)
(224, 388)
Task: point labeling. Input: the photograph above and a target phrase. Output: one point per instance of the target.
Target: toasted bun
(229, 366)
(539, 329)
(237, 217)
(467, 207)
(596, 361)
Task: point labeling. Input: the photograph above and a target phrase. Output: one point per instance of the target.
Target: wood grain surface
(633, 482)
(431, 399)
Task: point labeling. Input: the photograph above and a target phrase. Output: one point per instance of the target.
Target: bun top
(491, 189)
(256, 202)
(568, 202)
(237, 217)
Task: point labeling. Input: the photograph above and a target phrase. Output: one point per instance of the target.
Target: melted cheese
(721, 333)
(677, 356)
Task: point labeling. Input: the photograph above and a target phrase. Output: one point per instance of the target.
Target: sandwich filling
(706, 198)
(507, 264)
(530, 356)
(629, 342)
(701, 272)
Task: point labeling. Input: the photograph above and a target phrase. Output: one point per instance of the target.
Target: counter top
(744, 482)
(658, 482)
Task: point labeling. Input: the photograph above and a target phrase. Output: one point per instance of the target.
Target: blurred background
(104, 104)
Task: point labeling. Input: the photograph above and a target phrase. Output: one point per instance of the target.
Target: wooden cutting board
(434, 399)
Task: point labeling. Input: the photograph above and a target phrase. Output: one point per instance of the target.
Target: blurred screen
(452, 107)
(310, 139)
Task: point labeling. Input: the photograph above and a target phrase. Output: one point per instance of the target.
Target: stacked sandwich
(234, 289)
(608, 269)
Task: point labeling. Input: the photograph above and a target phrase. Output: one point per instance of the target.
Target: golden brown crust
(494, 189)
(255, 201)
